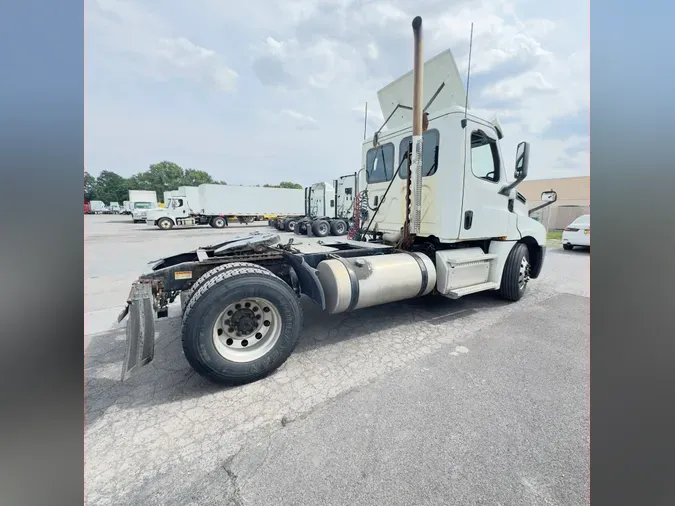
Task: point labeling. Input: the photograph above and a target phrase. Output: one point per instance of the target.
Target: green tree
(194, 177)
(89, 186)
(285, 184)
(288, 184)
(110, 187)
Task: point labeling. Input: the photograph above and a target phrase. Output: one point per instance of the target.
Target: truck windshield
(142, 205)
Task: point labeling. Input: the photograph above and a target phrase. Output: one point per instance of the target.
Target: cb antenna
(365, 122)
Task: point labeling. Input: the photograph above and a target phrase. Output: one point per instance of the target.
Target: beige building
(574, 199)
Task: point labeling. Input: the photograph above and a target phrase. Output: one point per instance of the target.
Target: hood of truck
(154, 214)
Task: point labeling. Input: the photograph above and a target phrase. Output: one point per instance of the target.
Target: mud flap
(140, 329)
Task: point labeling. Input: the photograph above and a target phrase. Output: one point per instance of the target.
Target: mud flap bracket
(140, 331)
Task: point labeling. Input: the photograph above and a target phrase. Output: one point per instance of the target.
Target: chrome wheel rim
(247, 330)
(323, 228)
(524, 273)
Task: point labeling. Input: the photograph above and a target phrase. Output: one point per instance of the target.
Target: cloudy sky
(259, 91)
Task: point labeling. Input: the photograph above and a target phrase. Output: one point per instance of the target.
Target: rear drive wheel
(218, 222)
(165, 223)
(241, 325)
(338, 228)
(568, 247)
(516, 273)
(291, 224)
(187, 294)
(320, 228)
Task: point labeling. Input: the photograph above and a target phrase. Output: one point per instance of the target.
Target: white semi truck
(329, 208)
(446, 219)
(140, 202)
(215, 204)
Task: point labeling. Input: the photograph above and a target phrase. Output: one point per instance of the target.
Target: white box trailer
(215, 204)
(168, 194)
(140, 202)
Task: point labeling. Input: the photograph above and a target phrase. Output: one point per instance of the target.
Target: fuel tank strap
(423, 271)
(354, 282)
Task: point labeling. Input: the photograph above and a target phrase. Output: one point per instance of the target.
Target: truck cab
(468, 188)
(139, 210)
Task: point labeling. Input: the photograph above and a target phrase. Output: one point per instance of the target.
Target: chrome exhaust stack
(416, 162)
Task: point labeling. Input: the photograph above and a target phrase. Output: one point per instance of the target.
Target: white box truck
(126, 207)
(140, 202)
(215, 204)
(97, 207)
(114, 207)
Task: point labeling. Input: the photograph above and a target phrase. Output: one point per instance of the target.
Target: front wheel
(516, 273)
(165, 223)
(241, 325)
(568, 247)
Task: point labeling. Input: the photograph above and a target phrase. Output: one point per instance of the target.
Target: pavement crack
(235, 498)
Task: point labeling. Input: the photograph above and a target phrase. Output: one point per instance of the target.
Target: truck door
(485, 212)
(179, 208)
(380, 165)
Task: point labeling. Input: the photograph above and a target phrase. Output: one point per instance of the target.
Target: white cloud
(302, 121)
(309, 64)
(126, 27)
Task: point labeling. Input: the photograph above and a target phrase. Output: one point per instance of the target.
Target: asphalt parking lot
(429, 401)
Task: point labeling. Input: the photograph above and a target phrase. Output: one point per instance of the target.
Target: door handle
(468, 220)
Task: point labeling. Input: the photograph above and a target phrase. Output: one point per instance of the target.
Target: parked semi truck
(140, 202)
(215, 204)
(329, 209)
(448, 220)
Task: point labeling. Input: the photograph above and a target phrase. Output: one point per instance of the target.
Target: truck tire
(320, 228)
(302, 227)
(165, 223)
(338, 227)
(224, 341)
(210, 274)
(218, 222)
(516, 273)
(291, 224)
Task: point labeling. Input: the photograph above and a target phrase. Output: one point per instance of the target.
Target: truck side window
(430, 145)
(380, 164)
(484, 157)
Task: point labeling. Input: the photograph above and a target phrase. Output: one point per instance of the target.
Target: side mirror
(549, 196)
(522, 160)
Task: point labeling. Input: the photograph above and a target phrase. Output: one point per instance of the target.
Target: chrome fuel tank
(354, 283)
